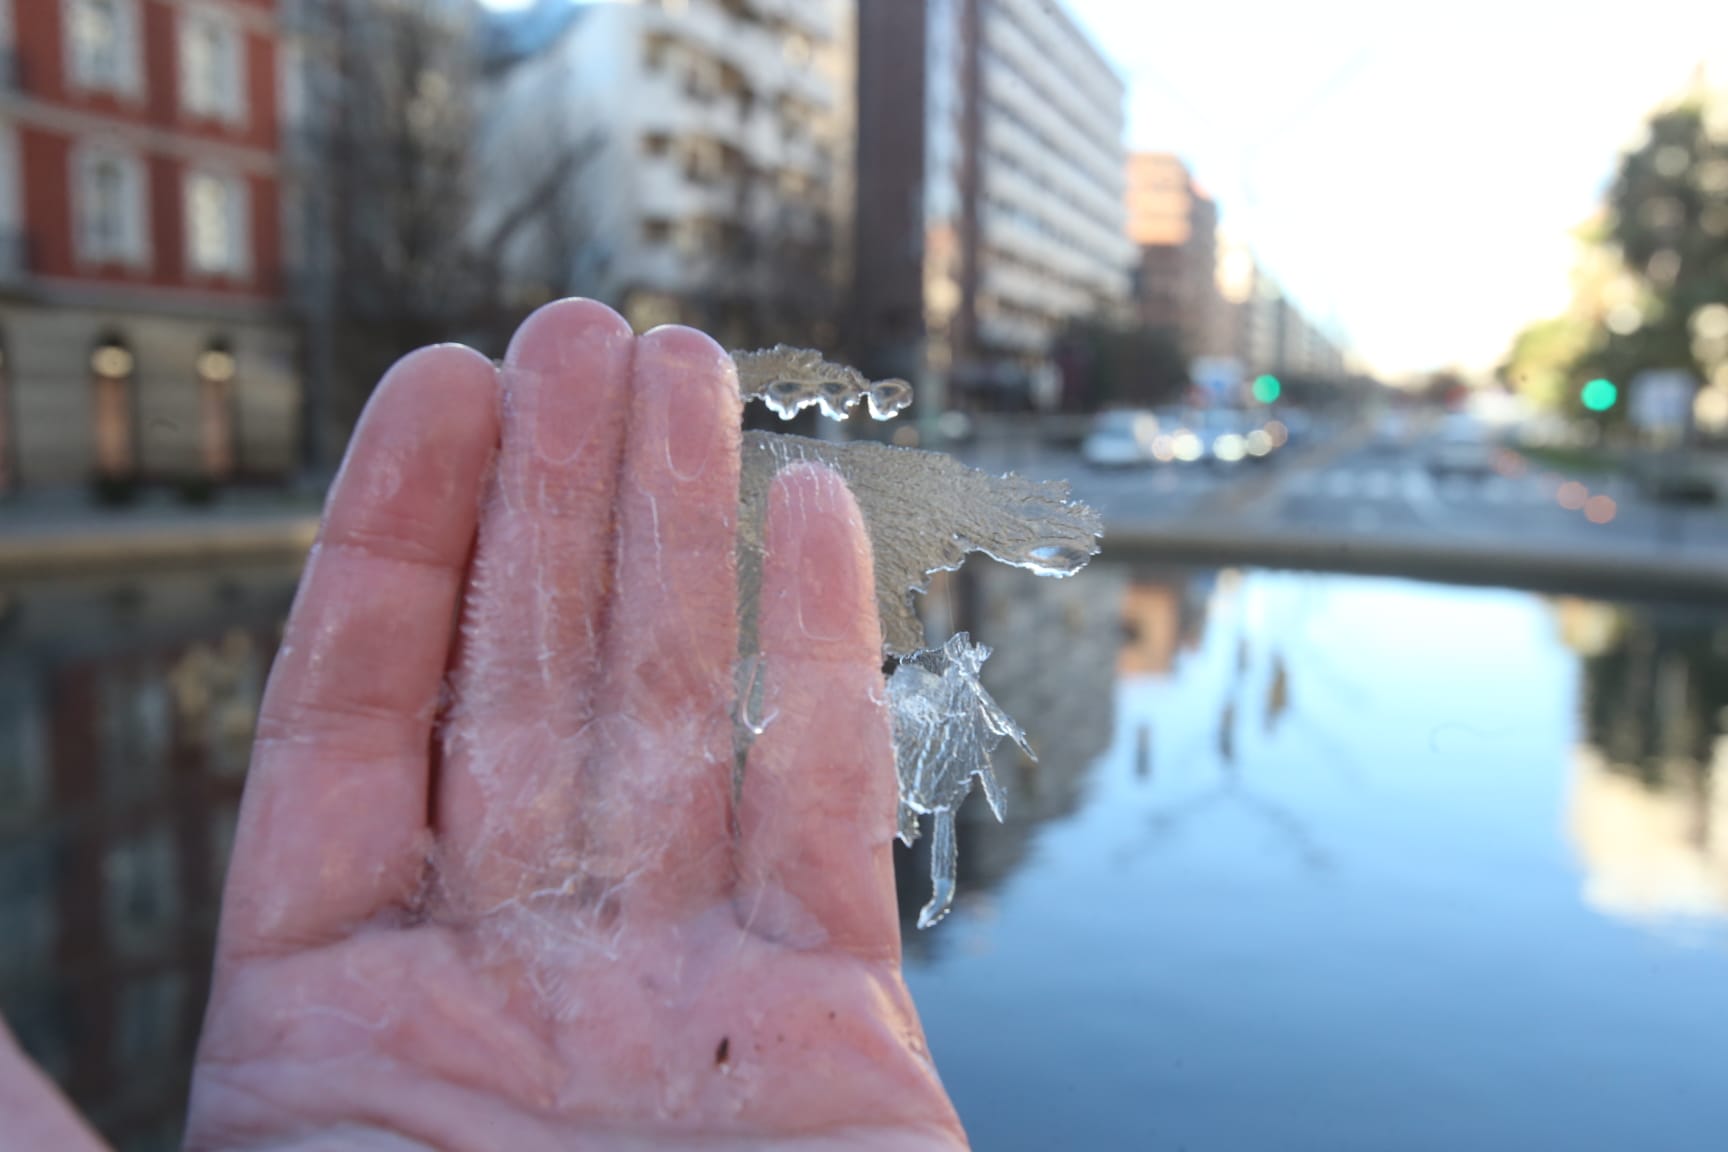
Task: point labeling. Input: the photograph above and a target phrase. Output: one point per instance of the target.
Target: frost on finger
(946, 728)
(924, 513)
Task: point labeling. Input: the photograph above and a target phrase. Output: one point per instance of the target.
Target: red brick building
(142, 329)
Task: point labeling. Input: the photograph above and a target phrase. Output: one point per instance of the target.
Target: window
(102, 45)
(291, 96)
(217, 228)
(210, 66)
(111, 208)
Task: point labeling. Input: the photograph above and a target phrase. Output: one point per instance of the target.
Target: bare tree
(395, 251)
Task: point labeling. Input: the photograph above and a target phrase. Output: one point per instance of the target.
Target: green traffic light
(1599, 395)
(1267, 389)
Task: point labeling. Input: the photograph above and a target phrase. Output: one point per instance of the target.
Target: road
(1350, 492)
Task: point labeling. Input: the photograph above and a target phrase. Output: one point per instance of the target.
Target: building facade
(141, 334)
(1174, 226)
(713, 183)
(990, 191)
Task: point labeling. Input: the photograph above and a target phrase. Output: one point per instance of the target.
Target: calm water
(1348, 863)
(1306, 862)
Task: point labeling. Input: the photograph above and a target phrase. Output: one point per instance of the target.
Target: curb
(1508, 564)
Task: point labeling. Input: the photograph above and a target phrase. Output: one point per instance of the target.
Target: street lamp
(111, 362)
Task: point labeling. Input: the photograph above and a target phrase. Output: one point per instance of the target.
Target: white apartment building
(1052, 219)
(712, 180)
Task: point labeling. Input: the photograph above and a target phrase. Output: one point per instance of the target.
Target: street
(1345, 489)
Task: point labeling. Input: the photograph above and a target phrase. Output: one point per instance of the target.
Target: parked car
(1120, 439)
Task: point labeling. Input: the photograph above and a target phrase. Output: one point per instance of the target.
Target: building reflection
(126, 715)
(1649, 803)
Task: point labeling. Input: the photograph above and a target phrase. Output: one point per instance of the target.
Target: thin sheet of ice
(924, 512)
(789, 379)
(946, 728)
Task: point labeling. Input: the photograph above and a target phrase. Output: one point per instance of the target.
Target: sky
(1410, 174)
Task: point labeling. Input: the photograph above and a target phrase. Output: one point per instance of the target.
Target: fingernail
(689, 428)
(561, 375)
(559, 415)
(827, 563)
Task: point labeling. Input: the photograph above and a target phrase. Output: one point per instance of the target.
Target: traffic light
(1267, 389)
(1599, 395)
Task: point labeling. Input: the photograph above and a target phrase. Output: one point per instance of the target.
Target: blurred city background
(1378, 800)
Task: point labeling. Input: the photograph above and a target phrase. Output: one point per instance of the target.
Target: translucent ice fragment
(924, 511)
(788, 379)
(946, 727)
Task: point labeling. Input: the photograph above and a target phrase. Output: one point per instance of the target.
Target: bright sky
(1409, 172)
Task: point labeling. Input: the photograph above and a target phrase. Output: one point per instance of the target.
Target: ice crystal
(788, 379)
(924, 512)
(946, 728)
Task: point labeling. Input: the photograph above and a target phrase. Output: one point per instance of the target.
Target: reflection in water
(1279, 826)
(1307, 881)
(1649, 805)
(126, 715)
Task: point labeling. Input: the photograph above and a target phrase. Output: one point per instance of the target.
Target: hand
(490, 888)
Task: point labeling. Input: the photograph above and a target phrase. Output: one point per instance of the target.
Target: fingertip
(680, 344)
(818, 576)
(566, 334)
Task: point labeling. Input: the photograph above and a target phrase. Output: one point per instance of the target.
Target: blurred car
(1120, 439)
(1239, 435)
(1462, 448)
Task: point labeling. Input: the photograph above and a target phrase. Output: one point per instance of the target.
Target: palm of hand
(491, 887)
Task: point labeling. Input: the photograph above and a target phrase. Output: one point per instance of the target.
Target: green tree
(1668, 217)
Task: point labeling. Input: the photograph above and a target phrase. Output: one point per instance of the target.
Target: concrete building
(1174, 225)
(1256, 322)
(717, 189)
(990, 192)
(141, 329)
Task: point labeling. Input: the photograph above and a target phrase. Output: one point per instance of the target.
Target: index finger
(333, 825)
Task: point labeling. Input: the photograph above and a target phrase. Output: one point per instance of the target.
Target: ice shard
(924, 512)
(946, 729)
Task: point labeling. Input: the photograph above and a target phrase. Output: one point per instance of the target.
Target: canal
(1304, 862)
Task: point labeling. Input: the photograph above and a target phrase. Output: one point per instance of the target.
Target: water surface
(1306, 862)
(1348, 863)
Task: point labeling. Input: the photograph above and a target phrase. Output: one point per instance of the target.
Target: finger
(656, 817)
(333, 824)
(819, 796)
(522, 691)
(36, 1115)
